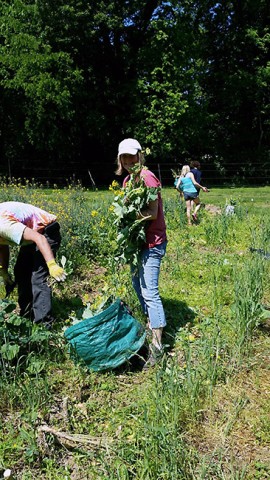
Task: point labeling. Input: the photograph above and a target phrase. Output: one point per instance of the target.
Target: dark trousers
(31, 274)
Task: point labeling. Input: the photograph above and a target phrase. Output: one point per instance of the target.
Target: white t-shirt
(15, 216)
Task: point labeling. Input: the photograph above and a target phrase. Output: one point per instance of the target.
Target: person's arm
(151, 211)
(43, 245)
(191, 176)
(40, 241)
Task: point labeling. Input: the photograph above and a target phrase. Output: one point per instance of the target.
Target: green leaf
(7, 306)
(36, 366)
(15, 320)
(265, 314)
(9, 352)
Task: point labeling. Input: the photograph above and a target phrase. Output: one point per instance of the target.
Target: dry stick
(70, 438)
(159, 173)
(65, 410)
(92, 180)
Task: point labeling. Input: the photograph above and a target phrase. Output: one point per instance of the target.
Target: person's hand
(6, 277)
(205, 189)
(56, 271)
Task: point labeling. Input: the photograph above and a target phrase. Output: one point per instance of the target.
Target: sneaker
(155, 356)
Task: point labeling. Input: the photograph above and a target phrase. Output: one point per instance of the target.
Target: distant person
(38, 234)
(195, 168)
(190, 188)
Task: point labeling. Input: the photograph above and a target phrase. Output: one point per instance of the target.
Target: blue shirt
(197, 174)
(187, 185)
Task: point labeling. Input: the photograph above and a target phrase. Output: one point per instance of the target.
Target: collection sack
(106, 340)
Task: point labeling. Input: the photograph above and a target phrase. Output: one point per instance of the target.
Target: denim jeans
(145, 283)
(31, 273)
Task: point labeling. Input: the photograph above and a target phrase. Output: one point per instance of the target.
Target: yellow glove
(56, 271)
(6, 277)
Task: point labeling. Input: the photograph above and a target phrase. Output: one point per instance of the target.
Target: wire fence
(100, 175)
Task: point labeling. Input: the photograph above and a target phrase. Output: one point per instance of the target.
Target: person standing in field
(190, 188)
(38, 234)
(145, 278)
(195, 168)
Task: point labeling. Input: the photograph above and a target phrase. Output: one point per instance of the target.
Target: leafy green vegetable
(129, 204)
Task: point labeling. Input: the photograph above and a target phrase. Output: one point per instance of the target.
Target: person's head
(129, 154)
(195, 164)
(185, 170)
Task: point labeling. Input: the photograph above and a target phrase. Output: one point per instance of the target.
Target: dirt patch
(213, 209)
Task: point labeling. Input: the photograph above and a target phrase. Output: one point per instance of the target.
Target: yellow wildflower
(114, 186)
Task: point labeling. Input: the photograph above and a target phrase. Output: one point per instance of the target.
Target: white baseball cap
(130, 146)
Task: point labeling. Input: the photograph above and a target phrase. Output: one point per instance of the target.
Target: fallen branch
(72, 440)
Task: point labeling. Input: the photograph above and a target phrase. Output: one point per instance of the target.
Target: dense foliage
(189, 79)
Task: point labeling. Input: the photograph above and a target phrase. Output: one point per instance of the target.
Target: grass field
(204, 412)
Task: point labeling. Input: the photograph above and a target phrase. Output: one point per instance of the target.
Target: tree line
(190, 80)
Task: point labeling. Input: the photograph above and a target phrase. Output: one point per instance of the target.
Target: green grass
(198, 415)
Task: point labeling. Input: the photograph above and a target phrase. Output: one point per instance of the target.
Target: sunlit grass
(213, 289)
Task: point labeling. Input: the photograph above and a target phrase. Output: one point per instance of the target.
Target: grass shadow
(178, 314)
(62, 307)
(135, 363)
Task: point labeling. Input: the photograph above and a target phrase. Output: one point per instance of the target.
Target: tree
(236, 45)
(37, 85)
(187, 78)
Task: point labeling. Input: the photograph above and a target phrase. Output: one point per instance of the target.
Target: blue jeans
(145, 283)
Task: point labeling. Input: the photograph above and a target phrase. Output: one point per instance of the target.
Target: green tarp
(106, 340)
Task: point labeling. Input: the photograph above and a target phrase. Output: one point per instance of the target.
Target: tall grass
(178, 394)
(248, 291)
(214, 290)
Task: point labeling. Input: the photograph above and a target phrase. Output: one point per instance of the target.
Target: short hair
(195, 164)
(120, 169)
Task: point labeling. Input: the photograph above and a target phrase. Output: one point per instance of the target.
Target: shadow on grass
(178, 314)
(62, 307)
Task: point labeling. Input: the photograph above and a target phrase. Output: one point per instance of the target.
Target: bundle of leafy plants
(129, 204)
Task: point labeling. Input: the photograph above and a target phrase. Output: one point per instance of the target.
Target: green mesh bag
(106, 340)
